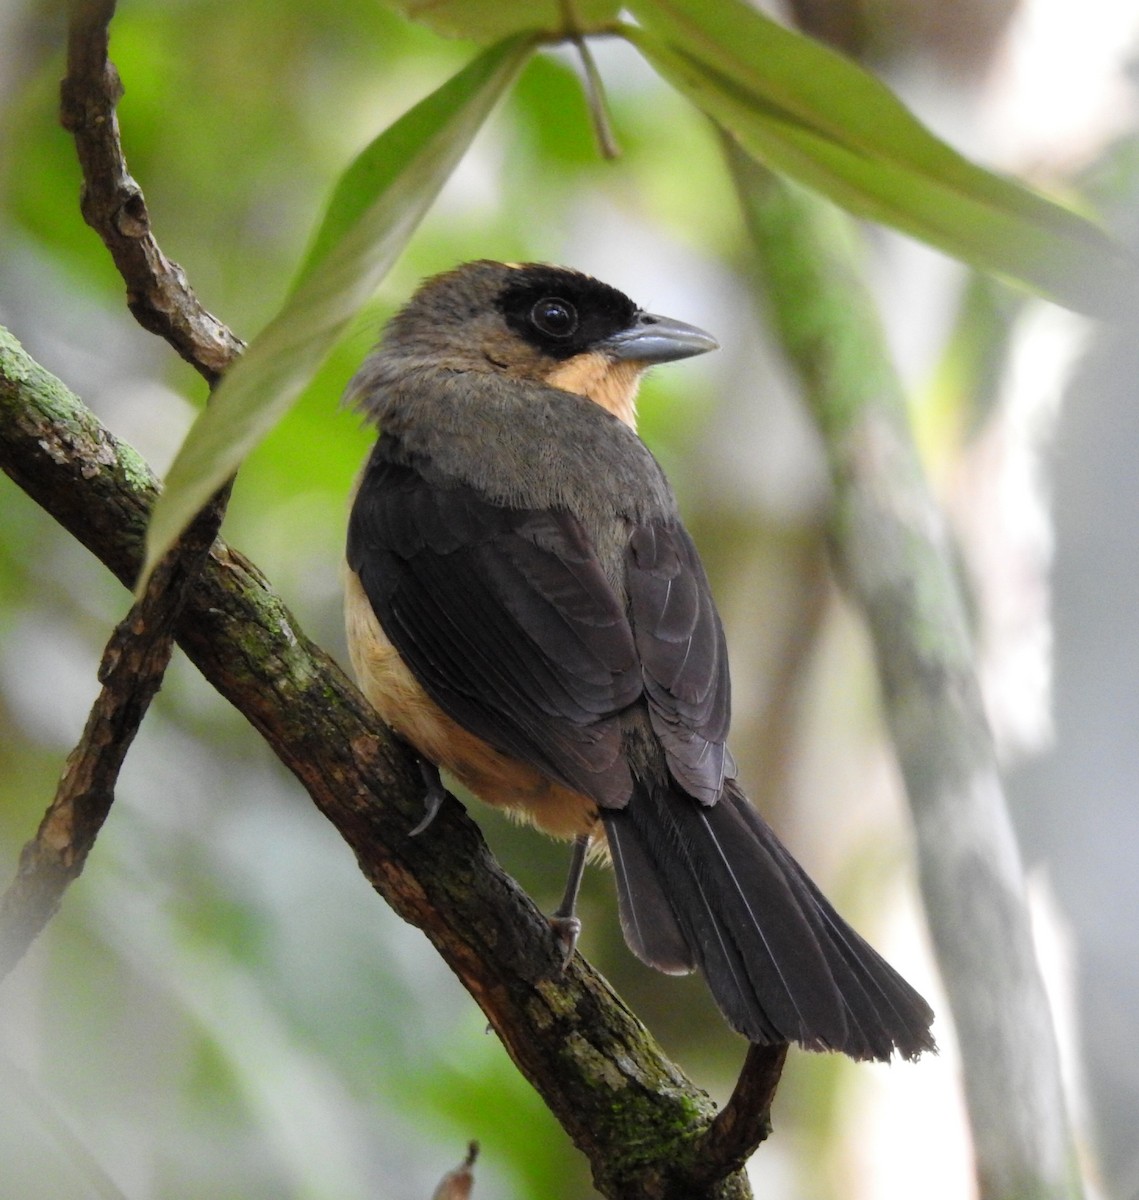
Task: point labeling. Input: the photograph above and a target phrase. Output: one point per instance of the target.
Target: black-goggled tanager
(526, 609)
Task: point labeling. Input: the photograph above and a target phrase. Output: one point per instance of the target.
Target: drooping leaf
(375, 208)
(486, 20)
(821, 119)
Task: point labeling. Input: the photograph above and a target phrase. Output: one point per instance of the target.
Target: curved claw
(566, 932)
(433, 798)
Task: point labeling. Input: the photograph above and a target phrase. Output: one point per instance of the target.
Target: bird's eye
(553, 317)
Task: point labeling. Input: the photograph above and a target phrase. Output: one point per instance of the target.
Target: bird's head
(544, 324)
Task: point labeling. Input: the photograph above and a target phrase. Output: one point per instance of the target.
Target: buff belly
(495, 778)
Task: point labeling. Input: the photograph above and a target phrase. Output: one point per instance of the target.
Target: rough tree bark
(648, 1132)
(135, 659)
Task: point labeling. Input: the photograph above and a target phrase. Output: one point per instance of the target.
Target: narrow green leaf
(816, 116)
(375, 209)
(486, 20)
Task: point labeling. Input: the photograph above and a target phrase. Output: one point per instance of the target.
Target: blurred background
(223, 1007)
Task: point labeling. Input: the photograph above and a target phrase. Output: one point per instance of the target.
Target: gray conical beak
(653, 339)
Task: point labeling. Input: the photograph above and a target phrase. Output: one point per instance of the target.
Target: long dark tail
(714, 889)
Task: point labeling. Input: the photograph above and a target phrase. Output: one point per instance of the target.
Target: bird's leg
(564, 921)
(434, 796)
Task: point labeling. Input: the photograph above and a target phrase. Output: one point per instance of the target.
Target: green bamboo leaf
(376, 207)
(819, 118)
(486, 20)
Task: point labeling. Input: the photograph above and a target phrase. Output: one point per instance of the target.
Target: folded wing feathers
(508, 621)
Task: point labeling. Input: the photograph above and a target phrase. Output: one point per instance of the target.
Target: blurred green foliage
(787, 100)
(223, 1007)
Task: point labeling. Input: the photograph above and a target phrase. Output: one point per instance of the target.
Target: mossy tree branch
(138, 652)
(647, 1131)
(890, 548)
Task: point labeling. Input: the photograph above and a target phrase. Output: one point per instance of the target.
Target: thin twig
(594, 86)
(131, 673)
(113, 205)
(138, 652)
(744, 1122)
(457, 1184)
(595, 98)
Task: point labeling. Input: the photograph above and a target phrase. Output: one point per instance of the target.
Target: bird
(526, 610)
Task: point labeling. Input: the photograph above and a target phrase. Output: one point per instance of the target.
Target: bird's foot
(433, 797)
(566, 932)
(564, 921)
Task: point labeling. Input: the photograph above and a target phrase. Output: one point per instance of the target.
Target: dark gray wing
(505, 617)
(683, 657)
